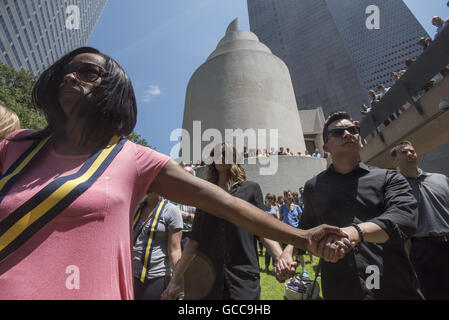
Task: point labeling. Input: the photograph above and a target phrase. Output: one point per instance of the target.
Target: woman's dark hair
(110, 110)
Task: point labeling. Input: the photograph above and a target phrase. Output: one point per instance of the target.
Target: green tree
(136, 138)
(15, 93)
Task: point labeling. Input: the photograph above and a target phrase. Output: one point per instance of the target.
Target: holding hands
(327, 242)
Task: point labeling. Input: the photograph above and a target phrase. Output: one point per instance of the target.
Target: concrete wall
(312, 122)
(292, 173)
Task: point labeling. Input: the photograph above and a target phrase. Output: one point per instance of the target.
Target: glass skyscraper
(36, 33)
(333, 57)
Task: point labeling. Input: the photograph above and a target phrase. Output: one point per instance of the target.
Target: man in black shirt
(377, 210)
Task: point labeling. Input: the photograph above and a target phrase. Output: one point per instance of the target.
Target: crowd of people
(87, 214)
(70, 192)
(253, 153)
(376, 95)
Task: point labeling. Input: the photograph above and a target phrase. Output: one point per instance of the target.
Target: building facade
(333, 57)
(36, 33)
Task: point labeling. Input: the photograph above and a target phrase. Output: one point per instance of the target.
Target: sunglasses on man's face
(85, 72)
(338, 132)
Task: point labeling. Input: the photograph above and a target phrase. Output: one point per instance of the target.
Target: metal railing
(434, 59)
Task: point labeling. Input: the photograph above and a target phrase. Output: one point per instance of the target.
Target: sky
(160, 44)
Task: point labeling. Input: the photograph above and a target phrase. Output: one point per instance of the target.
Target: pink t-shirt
(85, 252)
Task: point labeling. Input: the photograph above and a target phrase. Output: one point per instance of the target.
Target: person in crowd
(373, 98)
(425, 42)
(395, 76)
(440, 24)
(280, 202)
(290, 213)
(299, 153)
(273, 152)
(295, 198)
(307, 153)
(317, 153)
(273, 211)
(84, 181)
(364, 112)
(228, 248)
(157, 232)
(409, 62)
(430, 244)
(377, 210)
(288, 152)
(382, 91)
(245, 152)
(187, 212)
(9, 121)
(281, 152)
(301, 198)
(265, 153)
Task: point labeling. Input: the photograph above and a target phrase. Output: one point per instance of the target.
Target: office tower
(333, 57)
(36, 33)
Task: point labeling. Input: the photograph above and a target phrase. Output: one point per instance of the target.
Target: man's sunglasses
(338, 132)
(85, 72)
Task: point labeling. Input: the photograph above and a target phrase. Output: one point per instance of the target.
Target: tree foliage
(136, 138)
(15, 93)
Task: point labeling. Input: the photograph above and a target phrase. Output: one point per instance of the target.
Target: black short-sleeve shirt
(230, 249)
(366, 194)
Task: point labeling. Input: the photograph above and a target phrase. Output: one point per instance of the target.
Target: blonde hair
(236, 172)
(9, 121)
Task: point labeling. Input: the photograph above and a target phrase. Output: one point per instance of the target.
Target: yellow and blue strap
(44, 206)
(150, 236)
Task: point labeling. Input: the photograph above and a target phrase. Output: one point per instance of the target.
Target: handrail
(434, 59)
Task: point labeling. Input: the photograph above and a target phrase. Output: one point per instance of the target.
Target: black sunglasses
(85, 72)
(338, 132)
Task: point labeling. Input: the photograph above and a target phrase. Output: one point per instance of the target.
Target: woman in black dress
(228, 253)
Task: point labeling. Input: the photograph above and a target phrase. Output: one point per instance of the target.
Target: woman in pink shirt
(68, 192)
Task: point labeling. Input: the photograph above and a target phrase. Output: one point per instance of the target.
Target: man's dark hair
(394, 151)
(339, 115)
(110, 110)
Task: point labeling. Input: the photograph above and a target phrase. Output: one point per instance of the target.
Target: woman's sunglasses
(85, 72)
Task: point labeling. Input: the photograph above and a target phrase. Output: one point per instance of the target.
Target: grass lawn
(271, 289)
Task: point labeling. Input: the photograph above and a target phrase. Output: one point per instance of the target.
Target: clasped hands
(327, 242)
